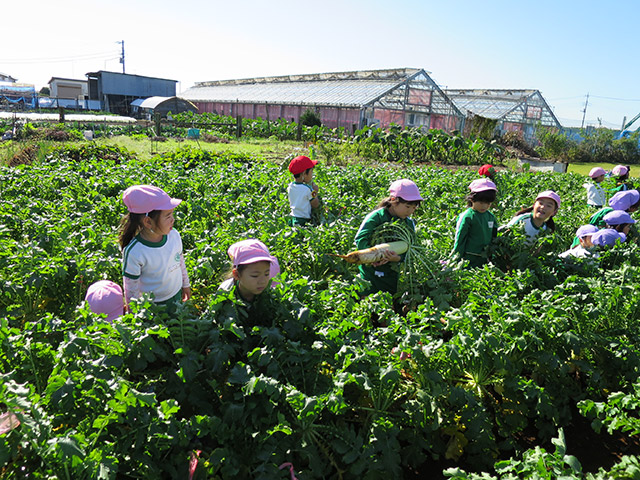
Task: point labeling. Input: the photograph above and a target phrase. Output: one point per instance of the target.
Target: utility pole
(122, 54)
(584, 112)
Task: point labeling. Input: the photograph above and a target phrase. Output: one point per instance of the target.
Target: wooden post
(156, 119)
(61, 114)
(299, 131)
(238, 126)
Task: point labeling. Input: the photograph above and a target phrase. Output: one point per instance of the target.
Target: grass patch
(145, 148)
(583, 168)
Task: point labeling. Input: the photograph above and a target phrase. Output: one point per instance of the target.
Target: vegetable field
(528, 368)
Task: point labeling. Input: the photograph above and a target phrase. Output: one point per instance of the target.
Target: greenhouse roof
(509, 105)
(344, 89)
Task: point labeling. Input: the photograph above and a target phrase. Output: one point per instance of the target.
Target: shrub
(310, 118)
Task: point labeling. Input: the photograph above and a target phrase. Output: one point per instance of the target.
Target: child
(539, 217)
(621, 174)
(105, 297)
(488, 171)
(153, 261)
(596, 196)
(607, 237)
(303, 193)
(628, 201)
(404, 198)
(619, 221)
(582, 250)
(250, 277)
(476, 226)
(252, 271)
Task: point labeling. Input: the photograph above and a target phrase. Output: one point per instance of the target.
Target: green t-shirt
(597, 218)
(383, 277)
(474, 231)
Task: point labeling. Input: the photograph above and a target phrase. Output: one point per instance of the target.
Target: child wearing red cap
(476, 226)
(596, 196)
(404, 197)
(152, 257)
(539, 217)
(302, 192)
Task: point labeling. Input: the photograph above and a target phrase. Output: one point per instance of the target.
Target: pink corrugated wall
(332, 117)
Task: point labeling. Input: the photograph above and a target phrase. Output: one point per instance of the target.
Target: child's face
(599, 179)
(164, 223)
(481, 207)
(403, 209)
(253, 279)
(306, 177)
(586, 241)
(626, 229)
(543, 209)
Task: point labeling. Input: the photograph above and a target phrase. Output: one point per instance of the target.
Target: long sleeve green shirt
(474, 231)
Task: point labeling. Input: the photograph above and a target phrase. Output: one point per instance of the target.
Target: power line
(618, 99)
(87, 56)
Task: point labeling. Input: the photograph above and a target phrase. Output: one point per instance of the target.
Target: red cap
(486, 170)
(300, 164)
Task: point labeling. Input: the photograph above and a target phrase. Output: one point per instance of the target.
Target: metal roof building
(406, 97)
(115, 91)
(515, 110)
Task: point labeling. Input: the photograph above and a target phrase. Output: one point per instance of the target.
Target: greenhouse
(514, 110)
(406, 97)
(162, 105)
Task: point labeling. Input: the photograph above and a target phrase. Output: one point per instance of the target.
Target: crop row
(491, 356)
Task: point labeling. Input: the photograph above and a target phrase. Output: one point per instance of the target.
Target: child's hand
(389, 256)
(186, 293)
(315, 187)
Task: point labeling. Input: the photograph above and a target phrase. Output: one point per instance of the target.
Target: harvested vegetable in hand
(375, 253)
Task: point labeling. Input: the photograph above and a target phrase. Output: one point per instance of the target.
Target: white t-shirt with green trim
(530, 230)
(156, 265)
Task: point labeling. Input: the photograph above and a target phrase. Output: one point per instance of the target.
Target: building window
(534, 112)
(419, 97)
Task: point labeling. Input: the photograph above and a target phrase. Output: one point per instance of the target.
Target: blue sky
(565, 49)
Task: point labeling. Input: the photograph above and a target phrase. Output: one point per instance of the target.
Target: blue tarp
(19, 94)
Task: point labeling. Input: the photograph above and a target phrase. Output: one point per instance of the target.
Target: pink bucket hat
(607, 237)
(252, 251)
(619, 170)
(550, 194)
(105, 296)
(596, 172)
(624, 200)
(481, 185)
(618, 217)
(147, 198)
(406, 190)
(586, 230)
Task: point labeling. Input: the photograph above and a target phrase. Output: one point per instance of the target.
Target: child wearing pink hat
(539, 217)
(105, 297)
(403, 200)
(596, 196)
(152, 257)
(302, 192)
(584, 246)
(476, 226)
(621, 175)
(249, 280)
